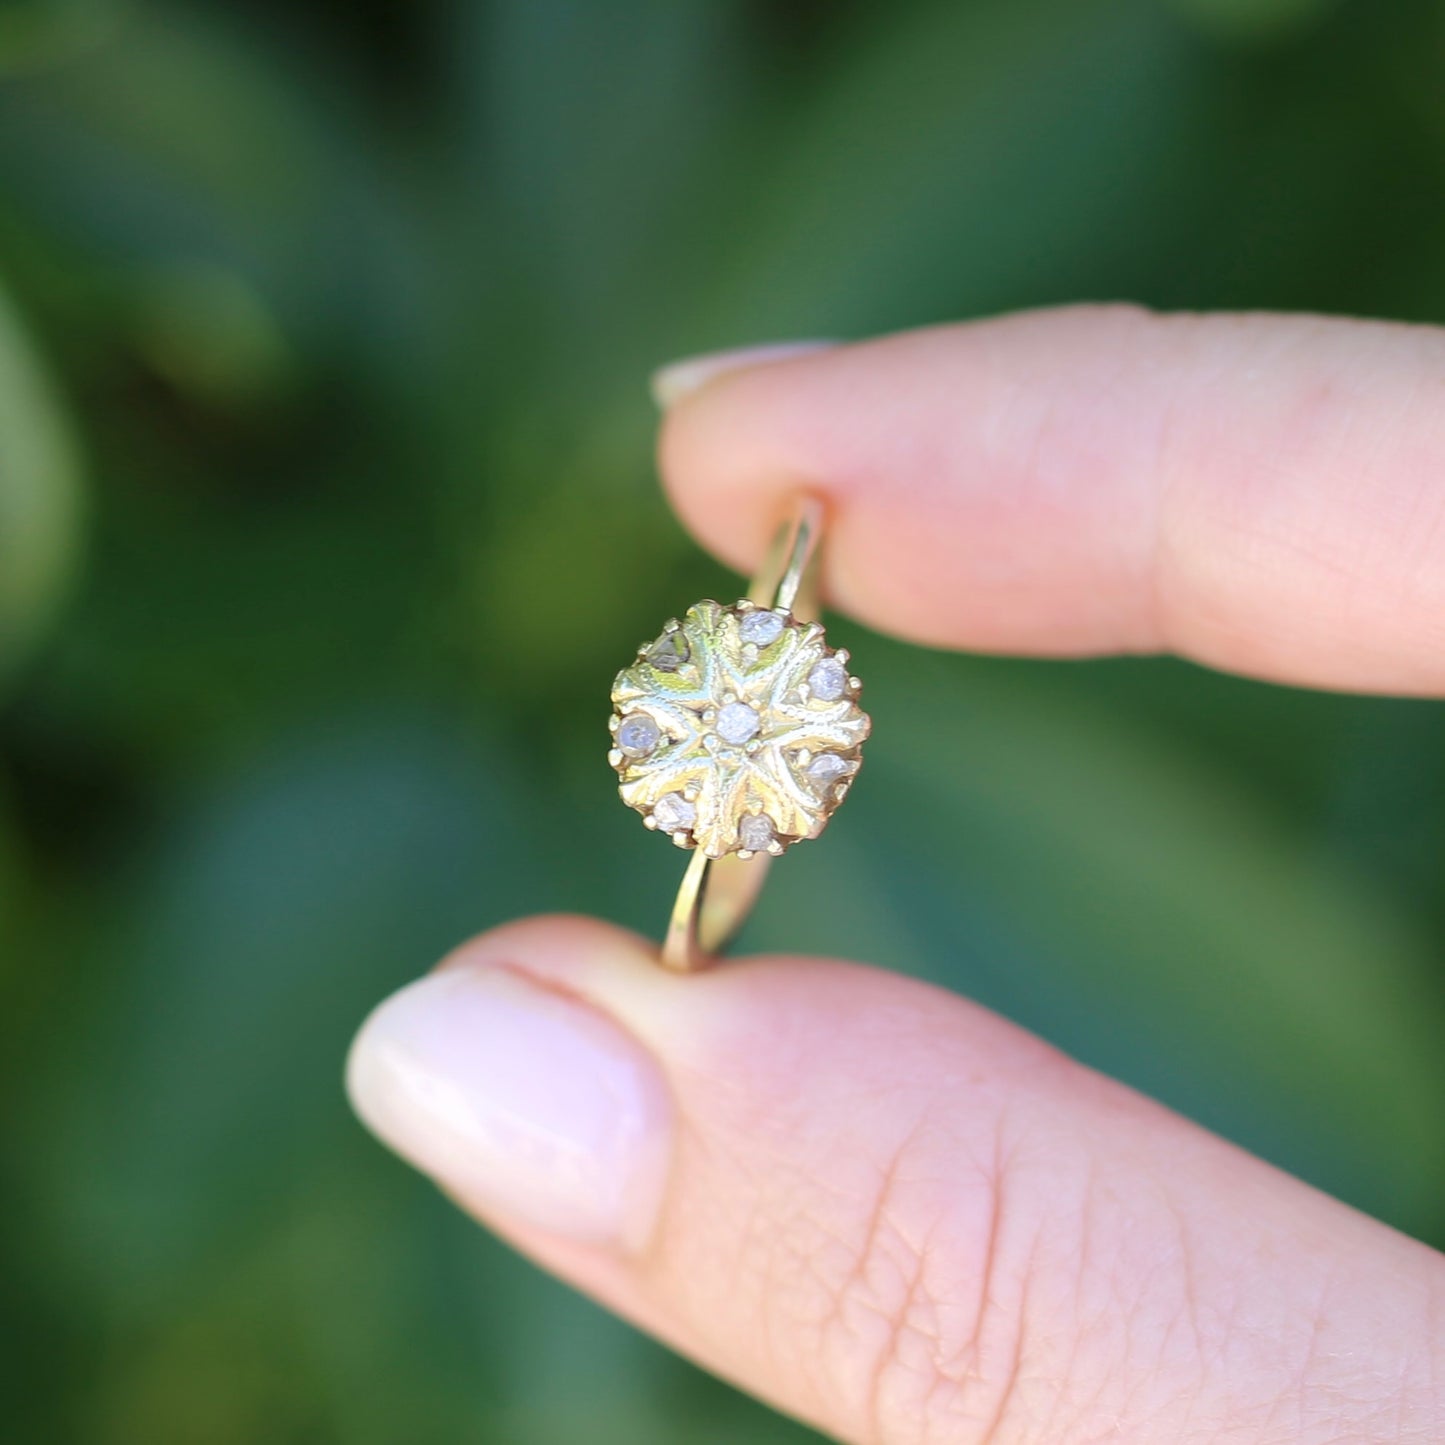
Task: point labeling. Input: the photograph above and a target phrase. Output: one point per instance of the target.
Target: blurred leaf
(184, 142)
(9, 894)
(210, 334)
(573, 625)
(43, 32)
(39, 494)
(1253, 19)
(586, 123)
(212, 615)
(982, 154)
(262, 932)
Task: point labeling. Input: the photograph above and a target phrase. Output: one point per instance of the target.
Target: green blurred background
(324, 449)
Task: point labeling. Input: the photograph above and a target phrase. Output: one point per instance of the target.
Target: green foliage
(39, 494)
(353, 308)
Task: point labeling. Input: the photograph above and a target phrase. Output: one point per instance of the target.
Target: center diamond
(736, 723)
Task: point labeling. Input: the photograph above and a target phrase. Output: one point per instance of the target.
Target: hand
(865, 1200)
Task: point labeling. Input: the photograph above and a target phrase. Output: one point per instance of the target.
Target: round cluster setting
(737, 730)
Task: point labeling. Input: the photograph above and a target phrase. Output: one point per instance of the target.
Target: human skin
(866, 1200)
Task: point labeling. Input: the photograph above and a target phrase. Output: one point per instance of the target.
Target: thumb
(888, 1212)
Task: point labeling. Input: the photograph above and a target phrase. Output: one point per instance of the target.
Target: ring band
(737, 732)
(717, 894)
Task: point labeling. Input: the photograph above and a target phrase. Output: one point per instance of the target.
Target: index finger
(1260, 493)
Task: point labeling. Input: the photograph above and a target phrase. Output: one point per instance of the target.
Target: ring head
(737, 730)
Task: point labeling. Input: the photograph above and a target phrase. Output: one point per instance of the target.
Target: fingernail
(678, 379)
(519, 1100)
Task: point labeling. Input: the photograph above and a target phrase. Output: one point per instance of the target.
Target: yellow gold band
(717, 894)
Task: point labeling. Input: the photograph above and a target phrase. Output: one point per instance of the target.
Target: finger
(1261, 493)
(888, 1212)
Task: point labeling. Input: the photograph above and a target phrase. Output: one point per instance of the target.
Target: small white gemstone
(672, 811)
(736, 723)
(755, 831)
(637, 735)
(827, 768)
(828, 680)
(761, 627)
(669, 652)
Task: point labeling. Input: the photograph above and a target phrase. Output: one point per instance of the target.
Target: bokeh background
(327, 512)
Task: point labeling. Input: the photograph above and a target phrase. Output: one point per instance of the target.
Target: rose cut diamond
(672, 811)
(755, 831)
(669, 652)
(761, 627)
(736, 723)
(637, 735)
(828, 680)
(827, 768)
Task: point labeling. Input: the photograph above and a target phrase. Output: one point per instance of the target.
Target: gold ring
(737, 732)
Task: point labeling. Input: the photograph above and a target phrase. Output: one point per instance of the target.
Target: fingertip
(924, 446)
(555, 943)
(727, 498)
(1255, 492)
(676, 380)
(518, 1095)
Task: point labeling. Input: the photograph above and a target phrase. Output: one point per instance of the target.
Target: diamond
(669, 652)
(826, 769)
(755, 831)
(828, 680)
(736, 723)
(760, 627)
(672, 811)
(637, 735)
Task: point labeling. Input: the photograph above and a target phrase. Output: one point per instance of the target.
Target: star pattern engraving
(767, 790)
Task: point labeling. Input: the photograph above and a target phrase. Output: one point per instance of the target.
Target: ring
(737, 732)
